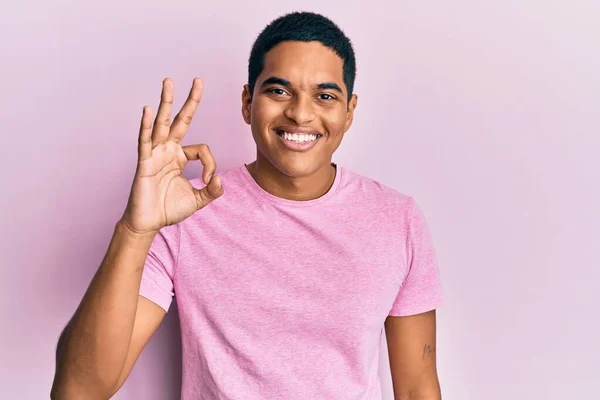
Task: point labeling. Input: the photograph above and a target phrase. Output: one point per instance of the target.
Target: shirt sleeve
(421, 290)
(159, 268)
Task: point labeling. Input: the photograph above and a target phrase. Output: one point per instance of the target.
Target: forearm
(93, 348)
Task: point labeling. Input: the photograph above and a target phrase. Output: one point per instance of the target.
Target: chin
(297, 168)
(289, 160)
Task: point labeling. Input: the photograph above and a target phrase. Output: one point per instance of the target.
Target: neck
(292, 188)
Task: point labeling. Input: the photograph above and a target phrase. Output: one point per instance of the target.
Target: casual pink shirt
(283, 299)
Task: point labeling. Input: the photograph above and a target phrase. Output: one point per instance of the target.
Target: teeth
(299, 138)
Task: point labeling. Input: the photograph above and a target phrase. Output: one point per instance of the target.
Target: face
(299, 110)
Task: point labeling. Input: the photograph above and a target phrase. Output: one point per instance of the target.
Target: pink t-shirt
(283, 299)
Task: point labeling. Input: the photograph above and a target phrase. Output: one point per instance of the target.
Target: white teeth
(299, 138)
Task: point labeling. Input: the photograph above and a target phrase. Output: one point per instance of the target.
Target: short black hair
(302, 27)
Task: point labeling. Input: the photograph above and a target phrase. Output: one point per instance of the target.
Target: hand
(160, 195)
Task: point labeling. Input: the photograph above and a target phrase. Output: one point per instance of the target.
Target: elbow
(69, 385)
(74, 391)
(426, 391)
(427, 388)
(68, 392)
(72, 383)
(419, 395)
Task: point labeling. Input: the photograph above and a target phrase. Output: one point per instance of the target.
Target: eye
(326, 96)
(276, 91)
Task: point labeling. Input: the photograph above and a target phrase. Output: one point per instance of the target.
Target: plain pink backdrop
(485, 112)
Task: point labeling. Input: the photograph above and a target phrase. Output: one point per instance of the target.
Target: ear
(350, 113)
(246, 103)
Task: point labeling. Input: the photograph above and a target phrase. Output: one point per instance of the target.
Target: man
(285, 270)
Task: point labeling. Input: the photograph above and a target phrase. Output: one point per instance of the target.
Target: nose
(300, 110)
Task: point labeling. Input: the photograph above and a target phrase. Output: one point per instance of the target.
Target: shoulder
(384, 205)
(374, 192)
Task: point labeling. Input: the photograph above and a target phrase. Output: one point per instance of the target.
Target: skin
(301, 102)
(112, 324)
(412, 354)
(301, 86)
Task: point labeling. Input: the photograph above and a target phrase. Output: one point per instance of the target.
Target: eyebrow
(274, 80)
(331, 86)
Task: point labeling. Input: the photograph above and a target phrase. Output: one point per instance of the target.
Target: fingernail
(208, 178)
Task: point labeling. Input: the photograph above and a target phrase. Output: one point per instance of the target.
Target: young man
(285, 270)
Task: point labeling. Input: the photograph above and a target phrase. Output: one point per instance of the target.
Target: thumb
(208, 193)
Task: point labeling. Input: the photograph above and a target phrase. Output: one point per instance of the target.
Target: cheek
(335, 123)
(263, 112)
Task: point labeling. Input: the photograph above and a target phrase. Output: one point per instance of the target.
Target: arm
(111, 326)
(113, 323)
(411, 344)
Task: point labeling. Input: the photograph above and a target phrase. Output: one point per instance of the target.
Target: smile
(295, 137)
(298, 141)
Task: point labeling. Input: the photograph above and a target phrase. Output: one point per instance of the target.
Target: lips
(297, 136)
(297, 139)
(299, 130)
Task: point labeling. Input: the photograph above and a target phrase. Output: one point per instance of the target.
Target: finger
(210, 192)
(184, 117)
(202, 152)
(163, 116)
(145, 137)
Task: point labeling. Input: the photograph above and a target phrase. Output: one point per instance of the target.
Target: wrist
(125, 231)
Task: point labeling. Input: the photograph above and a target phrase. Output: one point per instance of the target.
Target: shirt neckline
(255, 188)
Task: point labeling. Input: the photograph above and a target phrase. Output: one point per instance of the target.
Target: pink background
(485, 111)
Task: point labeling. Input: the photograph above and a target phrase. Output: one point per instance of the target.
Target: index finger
(182, 121)
(202, 152)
